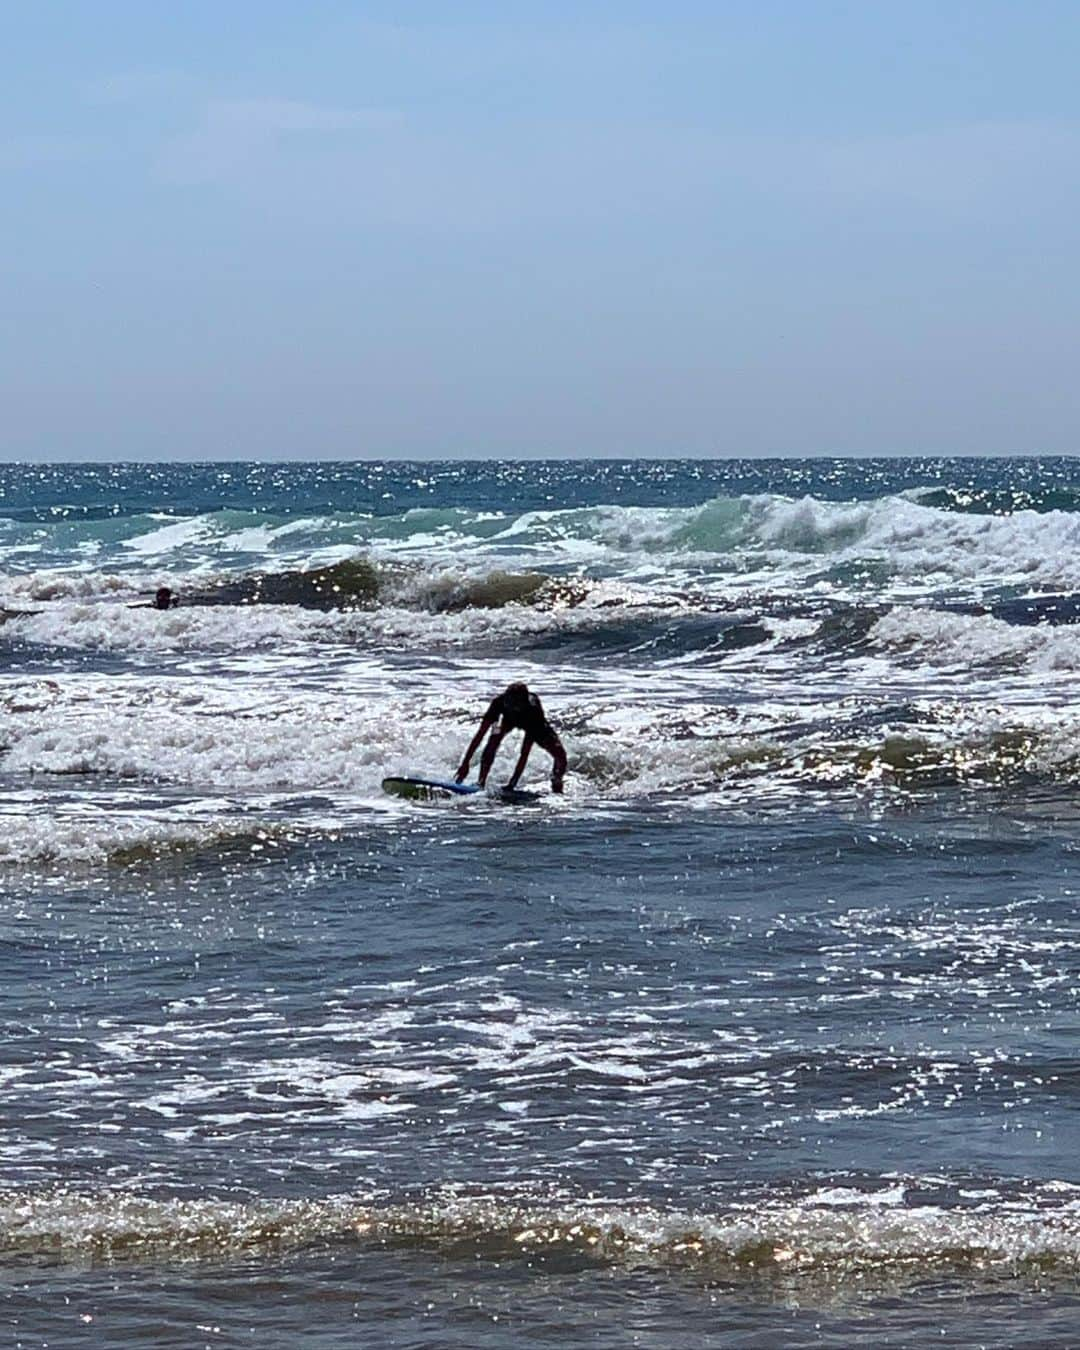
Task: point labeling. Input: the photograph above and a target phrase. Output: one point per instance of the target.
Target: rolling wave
(297, 741)
(896, 536)
(62, 838)
(947, 641)
(358, 608)
(835, 1232)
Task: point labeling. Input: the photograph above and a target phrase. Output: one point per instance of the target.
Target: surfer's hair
(517, 691)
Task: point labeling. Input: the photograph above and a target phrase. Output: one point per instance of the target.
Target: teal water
(765, 1032)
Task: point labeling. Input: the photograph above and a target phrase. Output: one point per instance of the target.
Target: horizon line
(546, 459)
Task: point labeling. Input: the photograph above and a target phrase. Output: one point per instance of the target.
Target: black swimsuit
(529, 719)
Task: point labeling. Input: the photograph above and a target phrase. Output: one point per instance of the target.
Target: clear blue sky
(248, 228)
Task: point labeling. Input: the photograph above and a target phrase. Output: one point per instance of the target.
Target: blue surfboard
(424, 789)
(417, 789)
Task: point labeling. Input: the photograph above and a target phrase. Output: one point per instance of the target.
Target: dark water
(763, 1034)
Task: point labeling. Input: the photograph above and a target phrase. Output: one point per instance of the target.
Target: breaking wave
(221, 628)
(835, 1232)
(947, 640)
(903, 536)
(508, 613)
(63, 839)
(292, 742)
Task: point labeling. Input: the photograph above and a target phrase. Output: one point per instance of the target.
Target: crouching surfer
(516, 710)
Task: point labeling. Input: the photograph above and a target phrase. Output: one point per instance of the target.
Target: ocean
(764, 1033)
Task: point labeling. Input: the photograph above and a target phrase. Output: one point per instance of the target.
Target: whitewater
(762, 1032)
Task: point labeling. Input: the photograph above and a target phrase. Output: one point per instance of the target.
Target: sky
(273, 229)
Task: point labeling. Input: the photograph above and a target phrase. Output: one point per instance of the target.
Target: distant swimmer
(516, 710)
(163, 599)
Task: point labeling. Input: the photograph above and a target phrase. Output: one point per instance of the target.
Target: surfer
(163, 599)
(516, 710)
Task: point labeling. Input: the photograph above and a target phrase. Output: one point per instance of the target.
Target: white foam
(798, 1238)
(947, 640)
(730, 537)
(116, 627)
(66, 583)
(725, 547)
(47, 833)
(155, 731)
(924, 541)
(267, 734)
(177, 535)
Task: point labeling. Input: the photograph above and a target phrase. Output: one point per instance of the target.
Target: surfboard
(424, 789)
(418, 789)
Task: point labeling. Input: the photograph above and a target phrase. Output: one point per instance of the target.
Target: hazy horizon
(466, 458)
(592, 231)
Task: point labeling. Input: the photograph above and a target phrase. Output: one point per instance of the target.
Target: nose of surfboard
(427, 789)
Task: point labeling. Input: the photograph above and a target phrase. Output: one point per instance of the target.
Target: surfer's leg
(556, 750)
(523, 759)
(488, 757)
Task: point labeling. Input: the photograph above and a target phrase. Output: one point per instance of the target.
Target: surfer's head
(517, 694)
(163, 598)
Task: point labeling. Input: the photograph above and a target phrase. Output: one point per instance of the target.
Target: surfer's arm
(523, 759)
(463, 767)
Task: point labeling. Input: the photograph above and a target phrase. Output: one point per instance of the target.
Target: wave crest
(865, 1234)
(904, 535)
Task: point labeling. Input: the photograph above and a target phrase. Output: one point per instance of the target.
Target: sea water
(764, 1033)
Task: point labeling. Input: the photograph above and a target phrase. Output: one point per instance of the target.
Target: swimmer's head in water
(163, 598)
